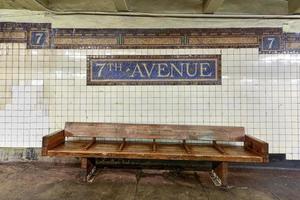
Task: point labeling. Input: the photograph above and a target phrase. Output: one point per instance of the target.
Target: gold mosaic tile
(41, 35)
(85, 41)
(223, 40)
(152, 40)
(293, 45)
(13, 35)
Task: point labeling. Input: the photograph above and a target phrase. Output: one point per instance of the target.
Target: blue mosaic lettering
(154, 70)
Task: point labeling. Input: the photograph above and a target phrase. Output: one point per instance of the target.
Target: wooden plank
(155, 131)
(165, 152)
(154, 146)
(218, 147)
(186, 147)
(257, 146)
(221, 169)
(156, 156)
(121, 5)
(52, 140)
(122, 145)
(88, 167)
(211, 6)
(90, 144)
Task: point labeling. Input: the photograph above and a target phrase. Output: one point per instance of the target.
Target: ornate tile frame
(69, 38)
(217, 81)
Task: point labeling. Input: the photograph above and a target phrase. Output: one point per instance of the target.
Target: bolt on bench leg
(220, 170)
(88, 169)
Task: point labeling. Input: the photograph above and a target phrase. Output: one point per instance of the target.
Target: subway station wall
(42, 87)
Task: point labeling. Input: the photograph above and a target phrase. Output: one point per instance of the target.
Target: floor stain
(39, 181)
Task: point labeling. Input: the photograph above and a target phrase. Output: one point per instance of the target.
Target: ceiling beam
(121, 5)
(211, 6)
(294, 6)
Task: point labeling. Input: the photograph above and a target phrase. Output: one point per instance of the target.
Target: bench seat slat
(90, 144)
(218, 147)
(186, 147)
(122, 145)
(155, 131)
(154, 145)
(166, 151)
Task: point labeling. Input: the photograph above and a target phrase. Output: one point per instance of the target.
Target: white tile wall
(41, 89)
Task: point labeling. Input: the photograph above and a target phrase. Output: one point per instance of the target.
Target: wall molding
(42, 35)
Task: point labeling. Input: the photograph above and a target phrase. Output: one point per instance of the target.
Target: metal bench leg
(220, 173)
(88, 169)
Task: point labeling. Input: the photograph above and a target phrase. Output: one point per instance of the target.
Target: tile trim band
(42, 35)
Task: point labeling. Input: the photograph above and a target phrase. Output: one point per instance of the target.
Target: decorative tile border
(36, 35)
(272, 42)
(212, 41)
(154, 70)
(41, 35)
(13, 36)
(39, 39)
(13, 32)
(292, 42)
(142, 41)
(162, 38)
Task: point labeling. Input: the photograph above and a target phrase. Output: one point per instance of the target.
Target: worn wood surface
(154, 145)
(205, 152)
(52, 140)
(122, 145)
(186, 147)
(218, 147)
(254, 150)
(91, 143)
(87, 167)
(257, 146)
(155, 131)
(221, 169)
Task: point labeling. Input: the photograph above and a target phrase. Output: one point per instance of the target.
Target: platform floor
(41, 181)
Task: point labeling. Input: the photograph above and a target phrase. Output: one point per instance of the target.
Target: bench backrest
(154, 131)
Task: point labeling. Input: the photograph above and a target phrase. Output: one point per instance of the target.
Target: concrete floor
(43, 181)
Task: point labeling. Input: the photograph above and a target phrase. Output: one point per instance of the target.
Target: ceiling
(220, 7)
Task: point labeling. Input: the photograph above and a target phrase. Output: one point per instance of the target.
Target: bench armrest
(52, 140)
(257, 146)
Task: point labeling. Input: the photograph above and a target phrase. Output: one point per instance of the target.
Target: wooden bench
(144, 141)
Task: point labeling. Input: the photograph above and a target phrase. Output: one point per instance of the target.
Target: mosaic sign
(271, 43)
(39, 38)
(157, 70)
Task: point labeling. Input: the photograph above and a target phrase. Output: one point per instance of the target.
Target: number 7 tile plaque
(39, 39)
(154, 70)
